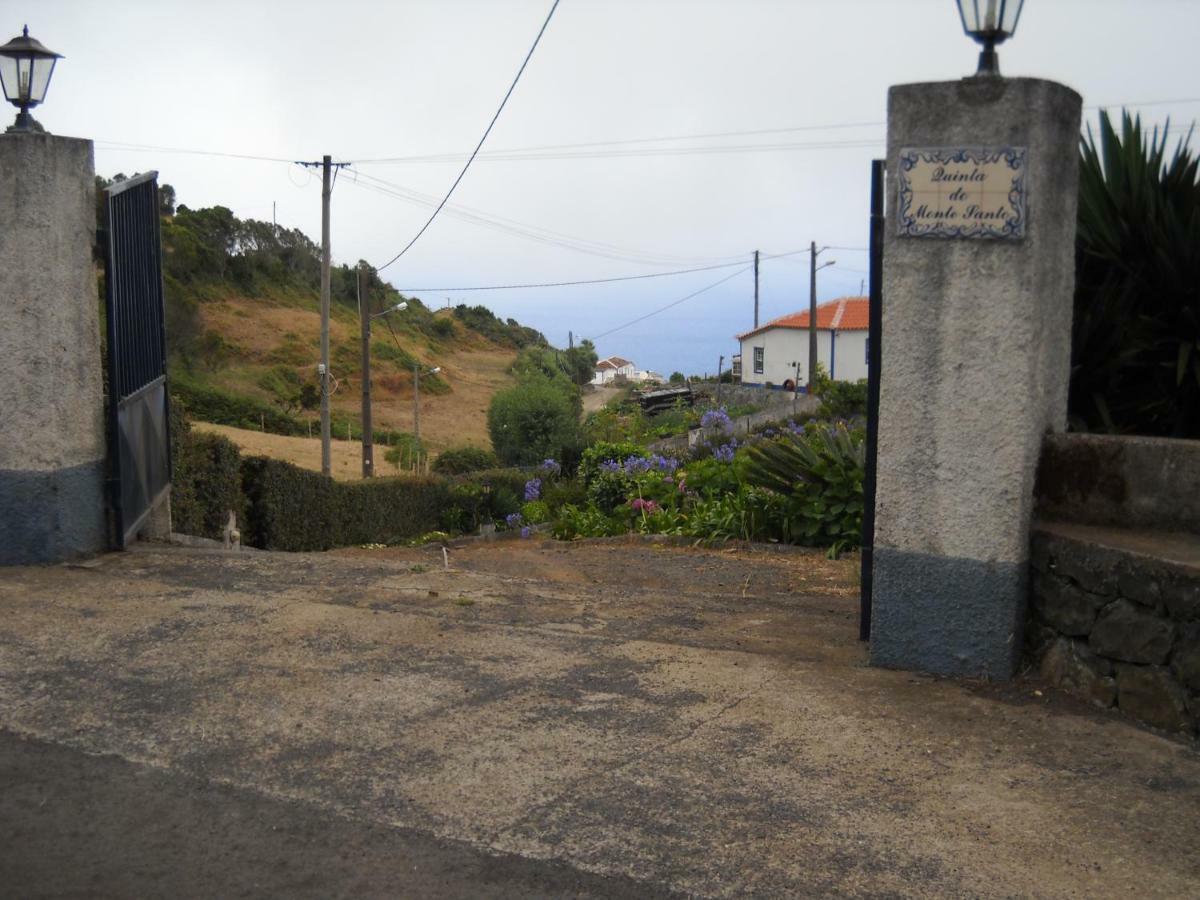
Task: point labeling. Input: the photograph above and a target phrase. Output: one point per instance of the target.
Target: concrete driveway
(604, 719)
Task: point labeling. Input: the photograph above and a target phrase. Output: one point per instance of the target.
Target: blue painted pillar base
(947, 616)
(50, 517)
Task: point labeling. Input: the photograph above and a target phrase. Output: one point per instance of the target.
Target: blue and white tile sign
(955, 192)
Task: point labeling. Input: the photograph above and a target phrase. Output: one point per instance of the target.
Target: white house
(777, 351)
(608, 369)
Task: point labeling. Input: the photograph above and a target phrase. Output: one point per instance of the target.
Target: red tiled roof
(843, 314)
(616, 362)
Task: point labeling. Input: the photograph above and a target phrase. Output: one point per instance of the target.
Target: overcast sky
(363, 80)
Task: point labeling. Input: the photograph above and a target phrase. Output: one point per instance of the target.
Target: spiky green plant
(1136, 333)
(820, 473)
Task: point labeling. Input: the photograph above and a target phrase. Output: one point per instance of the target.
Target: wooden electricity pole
(812, 316)
(368, 437)
(755, 288)
(326, 190)
(417, 402)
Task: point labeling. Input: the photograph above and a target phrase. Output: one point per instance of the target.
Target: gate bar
(874, 359)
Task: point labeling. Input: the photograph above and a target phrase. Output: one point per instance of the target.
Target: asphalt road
(78, 825)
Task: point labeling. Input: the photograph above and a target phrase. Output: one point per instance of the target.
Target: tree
(580, 362)
(677, 378)
(531, 422)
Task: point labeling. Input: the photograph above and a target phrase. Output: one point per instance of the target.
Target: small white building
(611, 368)
(776, 352)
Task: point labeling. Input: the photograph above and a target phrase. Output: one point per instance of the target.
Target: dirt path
(682, 719)
(597, 398)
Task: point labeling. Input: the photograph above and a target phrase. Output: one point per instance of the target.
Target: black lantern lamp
(990, 22)
(25, 70)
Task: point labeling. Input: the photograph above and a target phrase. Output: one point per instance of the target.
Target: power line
(128, 146)
(522, 229)
(537, 155)
(670, 305)
(486, 132)
(121, 145)
(547, 284)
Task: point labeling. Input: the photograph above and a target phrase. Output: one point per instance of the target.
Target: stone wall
(1116, 623)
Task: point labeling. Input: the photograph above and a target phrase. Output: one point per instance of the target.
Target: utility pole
(755, 288)
(327, 167)
(368, 437)
(720, 365)
(570, 340)
(417, 402)
(812, 311)
(326, 190)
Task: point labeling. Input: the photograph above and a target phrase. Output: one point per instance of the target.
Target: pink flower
(643, 506)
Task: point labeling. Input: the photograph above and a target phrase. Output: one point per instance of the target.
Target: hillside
(243, 334)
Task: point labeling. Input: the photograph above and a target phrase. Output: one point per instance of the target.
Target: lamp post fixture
(25, 70)
(417, 372)
(990, 22)
(368, 435)
(812, 310)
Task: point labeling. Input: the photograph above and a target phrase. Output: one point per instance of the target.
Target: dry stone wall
(1117, 627)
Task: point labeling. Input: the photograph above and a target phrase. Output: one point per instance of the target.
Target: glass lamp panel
(42, 70)
(8, 77)
(990, 16)
(23, 77)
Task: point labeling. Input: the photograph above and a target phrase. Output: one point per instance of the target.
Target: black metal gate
(139, 445)
(874, 363)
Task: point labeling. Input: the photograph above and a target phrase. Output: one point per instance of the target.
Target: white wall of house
(843, 353)
(604, 376)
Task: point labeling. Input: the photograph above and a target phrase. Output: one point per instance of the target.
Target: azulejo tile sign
(956, 192)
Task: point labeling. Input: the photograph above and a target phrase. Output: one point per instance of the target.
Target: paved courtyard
(603, 719)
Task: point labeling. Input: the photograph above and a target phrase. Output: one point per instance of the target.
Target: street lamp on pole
(366, 317)
(990, 22)
(417, 397)
(812, 311)
(25, 70)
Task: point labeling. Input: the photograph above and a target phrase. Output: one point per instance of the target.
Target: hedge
(206, 480)
(289, 508)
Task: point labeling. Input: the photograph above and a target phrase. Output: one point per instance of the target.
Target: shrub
(212, 404)
(532, 421)
(206, 478)
(458, 460)
(1135, 341)
(821, 476)
(844, 399)
(605, 451)
(293, 509)
(573, 523)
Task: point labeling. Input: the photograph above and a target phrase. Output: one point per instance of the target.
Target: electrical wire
(547, 284)
(520, 156)
(478, 146)
(521, 229)
(674, 303)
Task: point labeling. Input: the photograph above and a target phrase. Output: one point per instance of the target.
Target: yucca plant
(1136, 333)
(821, 475)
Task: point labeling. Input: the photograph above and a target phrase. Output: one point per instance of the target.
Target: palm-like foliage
(1136, 332)
(821, 475)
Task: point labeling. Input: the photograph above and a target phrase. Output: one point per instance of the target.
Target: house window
(737, 367)
(758, 360)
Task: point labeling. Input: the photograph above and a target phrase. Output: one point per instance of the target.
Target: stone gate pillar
(52, 448)
(978, 277)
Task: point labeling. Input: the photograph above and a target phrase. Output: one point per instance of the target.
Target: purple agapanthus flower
(725, 452)
(717, 418)
(512, 520)
(526, 531)
(551, 468)
(533, 489)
